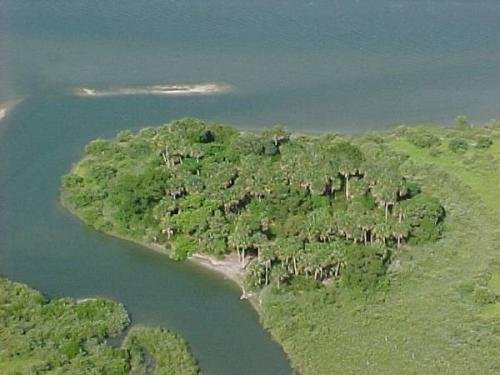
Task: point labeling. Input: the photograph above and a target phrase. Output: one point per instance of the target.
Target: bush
(365, 266)
(270, 149)
(462, 122)
(484, 296)
(303, 284)
(424, 214)
(458, 145)
(206, 136)
(434, 151)
(423, 139)
(182, 247)
(71, 181)
(484, 142)
(98, 146)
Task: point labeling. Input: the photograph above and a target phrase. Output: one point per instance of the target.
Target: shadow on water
(43, 245)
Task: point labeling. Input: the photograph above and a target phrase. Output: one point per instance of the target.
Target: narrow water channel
(43, 245)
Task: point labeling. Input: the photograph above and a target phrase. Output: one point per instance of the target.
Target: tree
(239, 239)
(289, 250)
(348, 158)
(267, 256)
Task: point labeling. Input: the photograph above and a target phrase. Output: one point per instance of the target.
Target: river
(311, 65)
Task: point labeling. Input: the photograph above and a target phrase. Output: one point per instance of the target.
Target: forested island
(379, 236)
(67, 336)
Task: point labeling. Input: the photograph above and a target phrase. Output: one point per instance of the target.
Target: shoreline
(163, 89)
(228, 267)
(225, 268)
(5, 107)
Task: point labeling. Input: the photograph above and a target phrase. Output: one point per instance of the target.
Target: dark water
(313, 66)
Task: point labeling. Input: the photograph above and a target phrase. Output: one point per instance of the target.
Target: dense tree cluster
(288, 205)
(65, 336)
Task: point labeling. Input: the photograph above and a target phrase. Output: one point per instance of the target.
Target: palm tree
(348, 158)
(386, 194)
(239, 239)
(281, 273)
(266, 258)
(366, 223)
(400, 231)
(382, 231)
(289, 250)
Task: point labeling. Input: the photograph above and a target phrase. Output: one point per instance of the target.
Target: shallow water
(313, 66)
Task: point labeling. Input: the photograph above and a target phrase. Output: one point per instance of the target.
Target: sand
(175, 89)
(8, 105)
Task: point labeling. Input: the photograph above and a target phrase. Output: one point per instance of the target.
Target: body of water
(310, 65)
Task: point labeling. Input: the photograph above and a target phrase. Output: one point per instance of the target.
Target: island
(392, 233)
(41, 336)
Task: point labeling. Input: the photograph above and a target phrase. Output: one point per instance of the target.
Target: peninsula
(324, 231)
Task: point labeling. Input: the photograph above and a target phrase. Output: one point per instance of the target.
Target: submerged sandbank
(173, 89)
(7, 106)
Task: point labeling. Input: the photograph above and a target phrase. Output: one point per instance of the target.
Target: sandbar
(166, 89)
(8, 105)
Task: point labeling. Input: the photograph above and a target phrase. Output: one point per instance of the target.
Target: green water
(313, 66)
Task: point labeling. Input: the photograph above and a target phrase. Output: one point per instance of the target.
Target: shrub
(182, 247)
(71, 180)
(458, 145)
(98, 146)
(484, 142)
(423, 139)
(303, 284)
(424, 214)
(270, 149)
(484, 296)
(462, 122)
(206, 136)
(434, 151)
(365, 266)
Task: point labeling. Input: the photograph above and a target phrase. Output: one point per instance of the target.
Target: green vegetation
(441, 313)
(159, 350)
(38, 336)
(345, 237)
(288, 205)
